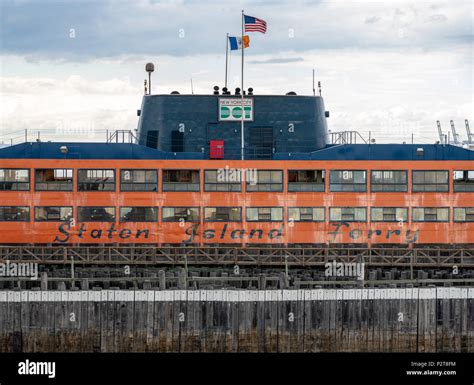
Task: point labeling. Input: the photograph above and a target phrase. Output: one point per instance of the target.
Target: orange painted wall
(298, 232)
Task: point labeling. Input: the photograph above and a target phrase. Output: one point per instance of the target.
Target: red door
(216, 150)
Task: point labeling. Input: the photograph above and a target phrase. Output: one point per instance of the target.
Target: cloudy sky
(76, 68)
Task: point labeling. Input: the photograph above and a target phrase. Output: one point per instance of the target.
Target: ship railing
(121, 136)
(430, 257)
(346, 137)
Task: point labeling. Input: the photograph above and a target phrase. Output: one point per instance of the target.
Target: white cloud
(392, 68)
(75, 108)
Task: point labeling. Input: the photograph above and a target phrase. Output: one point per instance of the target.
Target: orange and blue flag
(238, 42)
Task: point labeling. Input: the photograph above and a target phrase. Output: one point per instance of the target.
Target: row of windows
(230, 180)
(234, 214)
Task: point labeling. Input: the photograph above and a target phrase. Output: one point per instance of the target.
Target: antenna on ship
(150, 67)
(314, 90)
(192, 89)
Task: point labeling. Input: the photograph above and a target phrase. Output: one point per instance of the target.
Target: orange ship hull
(285, 232)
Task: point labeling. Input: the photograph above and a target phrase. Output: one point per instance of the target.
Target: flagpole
(226, 56)
(242, 137)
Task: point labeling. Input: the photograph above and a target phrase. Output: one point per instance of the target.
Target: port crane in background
(456, 139)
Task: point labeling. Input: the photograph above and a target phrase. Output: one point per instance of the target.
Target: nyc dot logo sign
(230, 109)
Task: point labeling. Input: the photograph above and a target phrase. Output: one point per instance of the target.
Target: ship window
(180, 180)
(53, 179)
(152, 139)
(388, 181)
(264, 180)
(261, 143)
(14, 179)
(347, 181)
(223, 179)
(96, 180)
(306, 214)
(222, 214)
(463, 180)
(96, 214)
(138, 180)
(265, 214)
(348, 214)
(389, 214)
(430, 181)
(177, 141)
(464, 214)
(180, 214)
(430, 214)
(138, 214)
(306, 180)
(53, 214)
(14, 214)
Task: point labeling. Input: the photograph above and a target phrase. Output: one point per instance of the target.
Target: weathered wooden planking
(176, 317)
(94, 321)
(365, 332)
(427, 320)
(158, 327)
(410, 322)
(235, 326)
(308, 336)
(140, 318)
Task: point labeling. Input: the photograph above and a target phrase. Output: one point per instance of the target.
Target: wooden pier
(318, 320)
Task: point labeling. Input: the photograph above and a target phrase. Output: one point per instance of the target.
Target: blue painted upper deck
(346, 152)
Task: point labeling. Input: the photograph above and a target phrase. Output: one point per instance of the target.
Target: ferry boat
(193, 177)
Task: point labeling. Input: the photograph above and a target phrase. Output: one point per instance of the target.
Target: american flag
(253, 24)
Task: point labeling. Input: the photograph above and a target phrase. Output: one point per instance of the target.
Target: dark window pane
(306, 180)
(430, 214)
(388, 181)
(96, 214)
(178, 214)
(96, 180)
(389, 214)
(222, 214)
(139, 180)
(347, 181)
(264, 214)
(430, 181)
(348, 214)
(264, 180)
(261, 143)
(54, 179)
(222, 180)
(14, 214)
(463, 181)
(177, 141)
(138, 214)
(306, 214)
(152, 139)
(53, 214)
(181, 180)
(14, 179)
